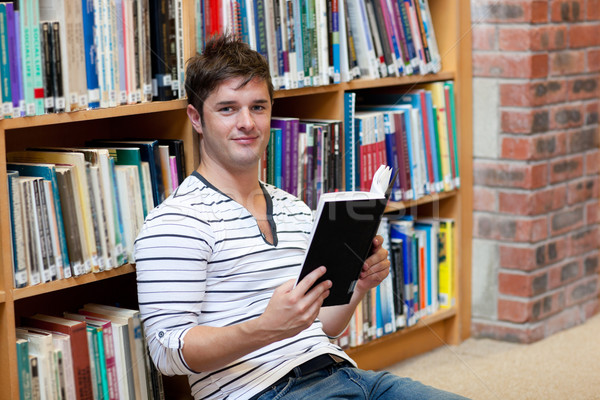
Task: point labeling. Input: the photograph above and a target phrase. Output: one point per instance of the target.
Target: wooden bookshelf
(168, 120)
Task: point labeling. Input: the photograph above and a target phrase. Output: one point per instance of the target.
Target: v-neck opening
(268, 201)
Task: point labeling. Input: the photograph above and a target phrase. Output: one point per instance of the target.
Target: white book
(136, 342)
(361, 34)
(41, 346)
(61, 272)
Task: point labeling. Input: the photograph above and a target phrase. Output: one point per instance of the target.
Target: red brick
(514, 39)
(566, 116)
(584, 88)
(592, 162)
(563, 274)
(592, 109)
(484, 37)
(522, 285)
(582, 290)
(484, 199)
(592, 213)
(539, 11)
(593, 60)
(510, 65)
(514, 311)
(583, 190)
(506, 11)
(517, 203)
(539, 229)
(567, 62)
(502, 227)
(567, 10)
(592, 12)
(521, 333)
(532, 94)
(516, 148)
(591, 308)
(583, 140)
(584, 241)
(566, 168)
(567, 220)
(584, 35)
(525, 176)
(548, 305)
(565, 319)
(532, 203)
(545, 201)
(548, 38)
(525, 121)
(521, 258)
(533, 148)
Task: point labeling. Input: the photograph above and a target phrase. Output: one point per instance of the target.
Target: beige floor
(564, 366)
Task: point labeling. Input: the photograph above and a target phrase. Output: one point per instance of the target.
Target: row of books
(78, 210)
(99, 352)
(318, 42)
(421, 279)
(68, 55)
(414, 133)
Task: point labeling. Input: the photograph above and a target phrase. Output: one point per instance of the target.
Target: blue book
(301, 77)
(91, 54)
(278, 177)
(48, 172)
(391, 151)
(399, 232)
(350, 140)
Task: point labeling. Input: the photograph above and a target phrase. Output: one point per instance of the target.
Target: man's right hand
(293, 309)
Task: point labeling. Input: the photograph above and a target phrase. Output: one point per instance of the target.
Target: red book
(79, 348)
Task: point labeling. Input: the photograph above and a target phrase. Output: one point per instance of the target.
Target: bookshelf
(168, 120)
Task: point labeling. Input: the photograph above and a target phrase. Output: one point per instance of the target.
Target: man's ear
(194, 116)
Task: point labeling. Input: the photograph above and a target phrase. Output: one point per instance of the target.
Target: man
(217, 260)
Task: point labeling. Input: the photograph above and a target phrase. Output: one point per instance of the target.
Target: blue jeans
(343, 382)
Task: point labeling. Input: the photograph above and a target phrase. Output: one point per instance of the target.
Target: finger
(309, 280)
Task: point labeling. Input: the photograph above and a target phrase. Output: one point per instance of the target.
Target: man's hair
(224, 57)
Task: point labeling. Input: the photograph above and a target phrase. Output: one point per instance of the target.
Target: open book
(342, 235)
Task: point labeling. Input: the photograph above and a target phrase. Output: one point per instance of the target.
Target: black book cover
(342, 237)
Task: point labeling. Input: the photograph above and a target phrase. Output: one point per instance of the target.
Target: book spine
(7, 111)
(16, 219)
(14, 55)
(91, 52)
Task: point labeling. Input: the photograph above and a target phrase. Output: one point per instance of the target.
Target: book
(352, 218)
(24, 371)
(17, 230)
(48, 172)
(79, 347)
(109, 349)
(40, 346)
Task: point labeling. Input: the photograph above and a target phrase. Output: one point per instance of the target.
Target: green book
(24, 371)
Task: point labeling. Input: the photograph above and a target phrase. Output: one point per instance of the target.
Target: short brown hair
(224, 57)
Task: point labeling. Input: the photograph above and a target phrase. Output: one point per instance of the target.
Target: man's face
(236, 126)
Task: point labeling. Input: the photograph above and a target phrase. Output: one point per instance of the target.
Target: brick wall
(536, 87)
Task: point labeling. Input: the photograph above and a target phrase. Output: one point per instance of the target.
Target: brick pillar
(536, 77)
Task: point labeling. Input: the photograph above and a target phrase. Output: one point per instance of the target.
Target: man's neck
(241, 186)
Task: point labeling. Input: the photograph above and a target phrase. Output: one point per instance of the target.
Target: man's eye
(225, 109)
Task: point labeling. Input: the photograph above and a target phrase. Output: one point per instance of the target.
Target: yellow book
(82, 201)
(446, 266)
(439, 103)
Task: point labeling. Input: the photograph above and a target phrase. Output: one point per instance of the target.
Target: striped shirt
(201, 260)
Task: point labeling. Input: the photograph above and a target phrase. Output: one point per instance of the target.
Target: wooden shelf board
(87, 115)
(70, 282)
(430, 198)
(2, 296)
(380, 353)
(365, 84)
